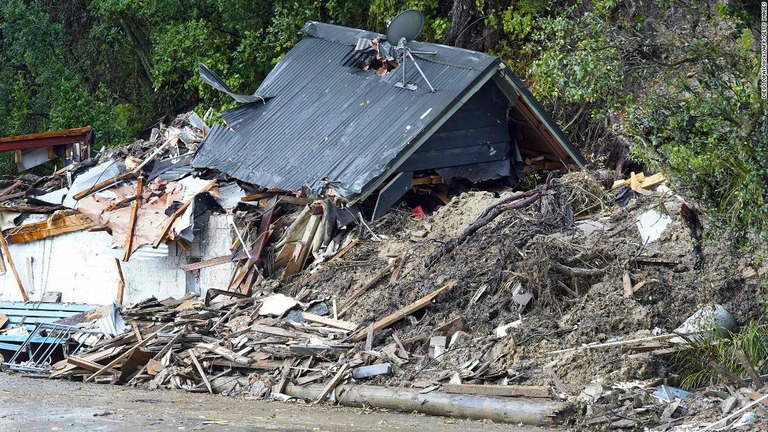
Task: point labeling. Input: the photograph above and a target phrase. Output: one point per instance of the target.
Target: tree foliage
(672, 85)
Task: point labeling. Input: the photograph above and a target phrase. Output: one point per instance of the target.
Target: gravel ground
(29, 404)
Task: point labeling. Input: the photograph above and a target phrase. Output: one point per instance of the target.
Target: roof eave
(520, 91)
(429, 130)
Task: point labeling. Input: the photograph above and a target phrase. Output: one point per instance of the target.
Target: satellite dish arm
(408, 54)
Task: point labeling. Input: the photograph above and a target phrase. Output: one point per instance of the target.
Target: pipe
(501, 410)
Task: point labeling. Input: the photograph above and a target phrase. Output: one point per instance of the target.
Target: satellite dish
(403, 29)
(407, 24)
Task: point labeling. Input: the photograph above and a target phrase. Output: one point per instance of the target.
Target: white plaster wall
(80, 267)
(214, 241)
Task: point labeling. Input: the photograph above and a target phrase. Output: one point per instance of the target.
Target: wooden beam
(332, 383)
(730, 376)
(200, 370)
(435, 179)
(344, 307)
(61, 222)
(498, 390)
(345, 325)
(402, 313)
(92, 357)
(120, 282)
(257, 196)
(13, 186)
(224, 259)
(757, 380)
(84, 364)
(169, 222)
(102, 184)
(132, 222)
(7, 253)
(25, 208)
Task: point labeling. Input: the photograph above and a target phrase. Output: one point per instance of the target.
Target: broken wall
(214, 241)
(81, 266)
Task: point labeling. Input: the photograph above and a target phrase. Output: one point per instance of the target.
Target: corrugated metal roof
(330, 121)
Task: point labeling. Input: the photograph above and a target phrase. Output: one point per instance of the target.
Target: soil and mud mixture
(571, 250)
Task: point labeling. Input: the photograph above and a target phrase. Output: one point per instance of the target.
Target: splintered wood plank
(200, 370)
(402, 313)
(653, 180)
(220, 260)
(124, 355)
(284, 376)
(333, 383)
(84, 364)
(227, 354)
(132, 222)
(757, 380)
(120, 282)
(276, 331)
(730, 376)
(61, 222)
(7, 254)
(498, 390)
(101, 185)
(345, 325)
(627, 282)
(258, 246)
(92, 357)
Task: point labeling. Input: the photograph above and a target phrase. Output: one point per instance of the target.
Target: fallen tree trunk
(502, 410)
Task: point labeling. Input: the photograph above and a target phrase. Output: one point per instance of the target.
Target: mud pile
(574, 264)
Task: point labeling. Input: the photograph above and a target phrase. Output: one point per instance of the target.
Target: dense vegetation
(672, 84)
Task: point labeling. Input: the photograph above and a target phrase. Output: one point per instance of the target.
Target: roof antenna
(403, 29)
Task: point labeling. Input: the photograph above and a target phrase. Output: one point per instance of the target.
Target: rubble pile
(573, 294)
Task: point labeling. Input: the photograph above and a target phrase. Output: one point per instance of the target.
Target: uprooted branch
(517, 200)
(577, 271)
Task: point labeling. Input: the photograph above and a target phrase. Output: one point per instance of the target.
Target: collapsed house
(517, 306)
(324, 122)
(327, 120)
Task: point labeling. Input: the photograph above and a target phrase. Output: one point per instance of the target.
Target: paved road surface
(30, 404)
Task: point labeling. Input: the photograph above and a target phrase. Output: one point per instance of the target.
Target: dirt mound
(576, 265)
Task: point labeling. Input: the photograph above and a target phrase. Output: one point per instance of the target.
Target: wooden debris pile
(254, 344)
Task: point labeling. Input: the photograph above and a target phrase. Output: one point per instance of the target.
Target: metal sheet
(214, 81)
(331, 122)
(91, 177)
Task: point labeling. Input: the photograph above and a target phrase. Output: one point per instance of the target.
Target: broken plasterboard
(651, 225)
